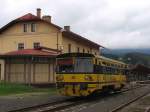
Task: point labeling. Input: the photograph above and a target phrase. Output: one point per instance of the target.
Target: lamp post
(131, 74)
(120, 58)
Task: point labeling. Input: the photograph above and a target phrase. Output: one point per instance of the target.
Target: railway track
(64, 104)
(148, 110)
(39, 107)
(120, 107)
(51, 107)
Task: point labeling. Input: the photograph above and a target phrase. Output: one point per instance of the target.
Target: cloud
(112, 23)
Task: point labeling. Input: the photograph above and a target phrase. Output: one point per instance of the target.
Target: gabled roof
(30, 52)
(79, 38)
(31, 17)
(25, 18)
(28, 16)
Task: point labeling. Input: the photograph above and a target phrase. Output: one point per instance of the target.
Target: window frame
(25, 27)
(83, 50)
(33, 27)
(78, 49)
(19, 47)
(38, 45)
(69, 48)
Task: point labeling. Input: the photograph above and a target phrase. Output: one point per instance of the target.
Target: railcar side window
(117, 71)
(65, 69)
(98, 69)
(104, 69)
(108, 70)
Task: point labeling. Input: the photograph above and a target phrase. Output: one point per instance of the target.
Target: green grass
(12, 88)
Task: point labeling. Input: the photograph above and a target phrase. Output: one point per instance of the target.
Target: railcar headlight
(88, 78)
(60, 78)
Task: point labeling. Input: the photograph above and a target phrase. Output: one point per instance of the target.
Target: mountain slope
(131, 58)
(137, 58)
(125, 51)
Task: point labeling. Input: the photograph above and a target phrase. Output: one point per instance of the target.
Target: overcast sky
(111, 23)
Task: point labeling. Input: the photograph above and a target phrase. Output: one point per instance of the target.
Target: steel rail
(39, 106)
(120, 107)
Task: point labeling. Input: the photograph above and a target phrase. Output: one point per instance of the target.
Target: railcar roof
(88, 55)
(111, 60)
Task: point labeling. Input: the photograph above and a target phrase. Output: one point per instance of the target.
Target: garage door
(41, 73)
(0, 72)
(16, 73)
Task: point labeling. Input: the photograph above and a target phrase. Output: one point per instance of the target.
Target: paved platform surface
(12, 102)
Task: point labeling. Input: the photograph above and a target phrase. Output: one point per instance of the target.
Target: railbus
(82, 74)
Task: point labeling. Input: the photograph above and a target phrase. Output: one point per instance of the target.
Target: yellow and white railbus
(81, 74)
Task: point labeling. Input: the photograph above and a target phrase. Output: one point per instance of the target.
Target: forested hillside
(131, 58)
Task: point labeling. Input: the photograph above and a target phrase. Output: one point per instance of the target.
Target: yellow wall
(75, 45)
(45, 34)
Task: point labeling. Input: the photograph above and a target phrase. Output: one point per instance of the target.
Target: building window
(20, 46)
(95, 53)
(36, 45)
(78, 49)
(69, 48)
(91, 50)
(96, 61)
(83, 50)
(33, 27)
(25, 27)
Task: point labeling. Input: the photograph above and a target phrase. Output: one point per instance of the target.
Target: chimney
(38, 12)
(47, 18)
(67, 28)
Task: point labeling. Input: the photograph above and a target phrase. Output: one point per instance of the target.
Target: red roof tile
(31, 52)
(80, 39)
(29, 16)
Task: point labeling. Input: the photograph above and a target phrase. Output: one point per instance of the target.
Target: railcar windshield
(75, 65)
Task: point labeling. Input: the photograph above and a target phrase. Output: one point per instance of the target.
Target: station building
(139, 73)
(29, 46)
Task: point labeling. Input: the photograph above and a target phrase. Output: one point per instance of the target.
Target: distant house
(30, 44)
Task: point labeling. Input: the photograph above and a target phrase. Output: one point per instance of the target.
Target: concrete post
(2, 65)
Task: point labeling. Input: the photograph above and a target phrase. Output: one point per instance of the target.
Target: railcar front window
(80, 65)
(83, 65)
